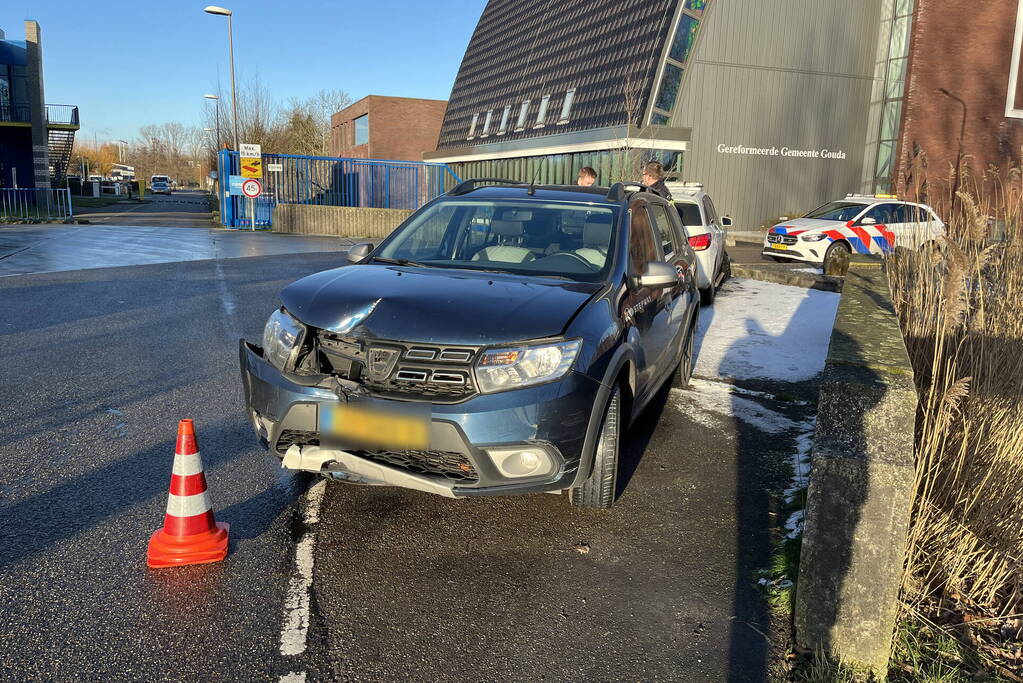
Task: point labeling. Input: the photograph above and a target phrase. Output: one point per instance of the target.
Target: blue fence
(330, 181)
(35, 204)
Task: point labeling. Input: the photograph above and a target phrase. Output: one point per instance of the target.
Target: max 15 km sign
(251, 160)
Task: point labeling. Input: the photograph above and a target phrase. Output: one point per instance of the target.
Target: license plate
(776, 245)
(366, 426)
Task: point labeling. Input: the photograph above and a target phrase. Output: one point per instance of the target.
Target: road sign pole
(252, 208)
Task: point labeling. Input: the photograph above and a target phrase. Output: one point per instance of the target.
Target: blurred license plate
(368, 426)
(779, 246)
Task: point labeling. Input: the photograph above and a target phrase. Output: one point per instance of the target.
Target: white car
(160, 184)
(861, 224)
(706, 232)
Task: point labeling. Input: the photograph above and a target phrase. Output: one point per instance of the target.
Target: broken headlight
(282, 337)
(516, 367)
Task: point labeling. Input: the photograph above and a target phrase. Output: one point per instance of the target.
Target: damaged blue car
(498, 342)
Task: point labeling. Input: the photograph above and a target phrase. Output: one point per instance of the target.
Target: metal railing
(63, 114)
(35, 204)
(331, 181)
(15, 113)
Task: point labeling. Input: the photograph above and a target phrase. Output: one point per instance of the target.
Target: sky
(128, 64)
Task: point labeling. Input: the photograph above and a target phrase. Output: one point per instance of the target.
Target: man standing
(587, 176)
(653, 177)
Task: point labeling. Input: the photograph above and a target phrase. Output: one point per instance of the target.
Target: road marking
(293, 677)
(296, 603)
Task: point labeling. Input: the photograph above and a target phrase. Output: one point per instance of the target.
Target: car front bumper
(808, 253)
(552, 416)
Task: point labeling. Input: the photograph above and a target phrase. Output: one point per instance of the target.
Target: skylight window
(486, 123)
(541, 116)
(472, 126)
(504, 121)
(566, 107)
(523, 111)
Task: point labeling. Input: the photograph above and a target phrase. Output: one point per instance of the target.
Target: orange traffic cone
(189, 535)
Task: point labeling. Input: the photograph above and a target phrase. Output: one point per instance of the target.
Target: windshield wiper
(399, 261)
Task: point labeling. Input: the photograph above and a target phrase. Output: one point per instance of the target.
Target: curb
(784, 276)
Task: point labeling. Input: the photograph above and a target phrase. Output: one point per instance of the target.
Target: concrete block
(343, 221)
(861, 481)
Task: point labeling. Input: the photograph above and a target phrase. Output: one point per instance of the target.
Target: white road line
(293, 677)
(296, 603)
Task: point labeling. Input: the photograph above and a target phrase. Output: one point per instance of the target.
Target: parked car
(706, 232)
(498, 342)
(864, 224)
(160, 184)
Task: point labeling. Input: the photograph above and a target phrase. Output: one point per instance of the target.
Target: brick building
(963, 77)
(378, 127)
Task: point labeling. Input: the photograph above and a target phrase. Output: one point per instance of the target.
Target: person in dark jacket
(653, 177)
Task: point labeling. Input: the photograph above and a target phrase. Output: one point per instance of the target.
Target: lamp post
(216, 102)
(224, 12)
(959, 155)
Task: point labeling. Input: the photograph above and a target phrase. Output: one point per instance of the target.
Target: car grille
(449, 465)
(431, 372)
(781, 239)
(452, 466)
(295, 437)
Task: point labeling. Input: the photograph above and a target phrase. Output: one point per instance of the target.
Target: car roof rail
(467, 186)
(618, 191)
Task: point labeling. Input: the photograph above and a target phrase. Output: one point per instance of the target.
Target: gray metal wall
(780, 73)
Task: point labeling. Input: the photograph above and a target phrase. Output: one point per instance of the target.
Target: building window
(486, 123)
(566, 107)
(541, 116)
(523, 111)
(362, 130)
(679, 53)
(505, 115)
(472, 126)
(894, 85)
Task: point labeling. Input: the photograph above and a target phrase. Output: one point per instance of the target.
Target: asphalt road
(99, 364)
(181, 209)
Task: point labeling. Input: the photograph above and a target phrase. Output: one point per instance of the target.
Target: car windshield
(554, 239)
(159, 178)
(837, 211)
(689, 213)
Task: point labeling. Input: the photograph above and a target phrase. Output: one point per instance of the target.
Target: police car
(858, 224)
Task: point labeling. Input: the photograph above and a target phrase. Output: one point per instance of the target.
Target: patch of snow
(704, 400)
(801, 458)
(815, 271)
(762, 330)
(794, 524)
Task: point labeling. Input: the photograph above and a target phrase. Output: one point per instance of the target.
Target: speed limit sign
(252, 188)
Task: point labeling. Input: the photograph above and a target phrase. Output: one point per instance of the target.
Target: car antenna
(532, 189)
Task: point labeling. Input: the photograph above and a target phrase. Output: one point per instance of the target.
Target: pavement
(181, 209)
(100, 363)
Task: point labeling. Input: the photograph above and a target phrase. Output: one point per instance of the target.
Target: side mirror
(658, 274)
(359, 252)
(867, 220)
(726, 221)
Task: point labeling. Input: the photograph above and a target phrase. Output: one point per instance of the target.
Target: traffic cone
(189, 535)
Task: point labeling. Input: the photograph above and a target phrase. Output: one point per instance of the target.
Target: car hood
(438, 305)
(798, 225)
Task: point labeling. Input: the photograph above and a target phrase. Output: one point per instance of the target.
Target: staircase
(61, 124)
(60, 143)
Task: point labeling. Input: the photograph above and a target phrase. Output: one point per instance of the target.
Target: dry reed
(961, 308)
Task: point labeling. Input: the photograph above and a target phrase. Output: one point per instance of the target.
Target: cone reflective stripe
(190, 534)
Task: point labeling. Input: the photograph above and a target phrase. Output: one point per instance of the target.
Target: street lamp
(216, 103)
(224, 12)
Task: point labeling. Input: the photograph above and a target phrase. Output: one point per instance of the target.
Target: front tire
(598, 491)
(836, 259)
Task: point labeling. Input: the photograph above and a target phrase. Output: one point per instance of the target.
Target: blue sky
(128, 64)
